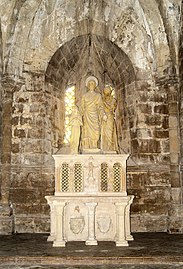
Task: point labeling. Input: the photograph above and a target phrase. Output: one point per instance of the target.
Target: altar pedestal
(90, 202)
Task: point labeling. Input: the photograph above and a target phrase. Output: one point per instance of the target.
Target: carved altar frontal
(90, 202)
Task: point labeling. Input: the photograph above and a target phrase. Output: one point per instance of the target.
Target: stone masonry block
(19, 133)
(161, 109)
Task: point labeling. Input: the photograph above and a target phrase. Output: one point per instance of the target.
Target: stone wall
(152, 175)
(176, 215)
(32, 167)
(46, 45)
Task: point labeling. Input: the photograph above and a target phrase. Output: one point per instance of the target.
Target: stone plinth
(90, 202)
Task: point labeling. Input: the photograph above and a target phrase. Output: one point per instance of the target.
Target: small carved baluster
(78, 177)
(104, 177)
(117, 177)
(65, 177)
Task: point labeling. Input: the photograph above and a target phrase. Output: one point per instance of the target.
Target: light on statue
(69, 103)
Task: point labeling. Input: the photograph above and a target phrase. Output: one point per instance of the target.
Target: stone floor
(147, 251)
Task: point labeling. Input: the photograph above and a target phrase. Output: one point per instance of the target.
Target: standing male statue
(93, 113)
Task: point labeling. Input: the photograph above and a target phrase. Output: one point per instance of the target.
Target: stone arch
(85, 55)
(65, 60)
(6, 88)
(171, 27)
(125, 24)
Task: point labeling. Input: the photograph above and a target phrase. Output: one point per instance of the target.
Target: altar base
(90, 202)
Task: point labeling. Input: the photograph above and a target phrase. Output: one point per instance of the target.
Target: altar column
(51, 237)
(120, 225)
(59, 216)
(91, 224)
(129, 237)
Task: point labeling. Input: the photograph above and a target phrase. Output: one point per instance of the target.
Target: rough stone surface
(134, 45)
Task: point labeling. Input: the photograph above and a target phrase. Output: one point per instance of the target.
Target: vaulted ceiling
(146, 31)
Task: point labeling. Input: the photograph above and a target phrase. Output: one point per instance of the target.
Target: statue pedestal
(90, 202)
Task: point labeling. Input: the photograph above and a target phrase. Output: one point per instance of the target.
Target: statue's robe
(92, 110)
(109, 131)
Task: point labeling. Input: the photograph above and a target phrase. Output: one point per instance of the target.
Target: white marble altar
(90, 202)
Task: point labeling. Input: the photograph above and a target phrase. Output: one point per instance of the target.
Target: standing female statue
(109, 132)
(75, 123)
(93, 113)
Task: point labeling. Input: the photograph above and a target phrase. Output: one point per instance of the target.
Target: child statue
(109, 132)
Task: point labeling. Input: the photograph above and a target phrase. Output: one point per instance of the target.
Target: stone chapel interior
(49, 50)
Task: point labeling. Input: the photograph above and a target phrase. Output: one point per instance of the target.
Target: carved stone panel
(76, 216)
(105, 221)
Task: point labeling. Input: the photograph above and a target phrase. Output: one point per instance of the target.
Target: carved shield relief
(104, 224)
(77, 224)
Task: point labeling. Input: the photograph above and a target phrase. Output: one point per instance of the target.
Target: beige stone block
(24, 224)
(176, 195)
(32, 146)
(173, 122)
(6, 225)
(174, 157)
(174, 142)
(144, 133)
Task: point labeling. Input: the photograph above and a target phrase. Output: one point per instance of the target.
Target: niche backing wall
(79, 58)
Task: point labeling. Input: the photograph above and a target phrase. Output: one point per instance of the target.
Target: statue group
(93, 128)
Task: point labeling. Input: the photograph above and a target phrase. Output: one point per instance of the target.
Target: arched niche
(72, 63)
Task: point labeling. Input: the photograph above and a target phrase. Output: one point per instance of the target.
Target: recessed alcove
(72, 63)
